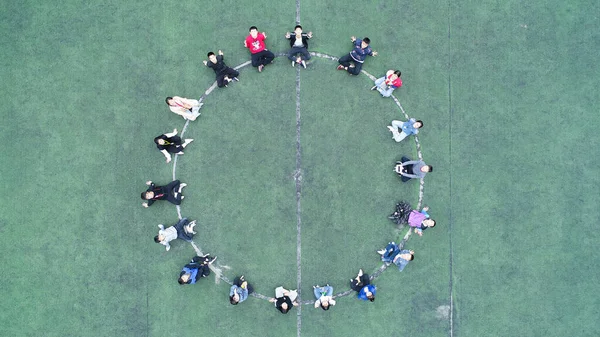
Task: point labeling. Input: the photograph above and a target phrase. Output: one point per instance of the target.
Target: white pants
(292, 294)
(398, 136)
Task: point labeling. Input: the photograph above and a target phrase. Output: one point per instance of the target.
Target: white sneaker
(293, 63)
(391, 128)
(303, 64)
(381, 252)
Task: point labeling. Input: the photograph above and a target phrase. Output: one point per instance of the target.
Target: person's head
(370, 296)
(298, 29)
(418, 124)
(184, 278)
(169, 100)
(157, 239)
(427, 168)
(412, 257)
(325, 305)
(365, 43)
(429, 223)
(234, 299)
(212, 57)
(159, 141)
(397, 73)
(147, 195)
(253, 32)
(284, 307)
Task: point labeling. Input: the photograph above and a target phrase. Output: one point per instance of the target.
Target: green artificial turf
(507, 92)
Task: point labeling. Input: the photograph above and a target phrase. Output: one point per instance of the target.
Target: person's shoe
(360, 272)
(381, 252)
(242, 278)
(182, 185)
(260, 68)
(341, 67)
(391, 128)
(181, 197)
(293, 63)
(303, 64)
(212, 260)
(236, 79)
(374, 87)
(315, 287)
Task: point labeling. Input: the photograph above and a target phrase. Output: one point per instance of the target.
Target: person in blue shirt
(393, 254)
(353, 61)
(401, 130)
(362, 284)
(239, 291)
(199, 267)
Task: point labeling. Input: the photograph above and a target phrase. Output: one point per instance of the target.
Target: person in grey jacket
(408, 169)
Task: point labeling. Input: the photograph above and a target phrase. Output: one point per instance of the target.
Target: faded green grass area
(508, 95)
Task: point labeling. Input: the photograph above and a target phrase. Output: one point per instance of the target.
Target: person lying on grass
(198, 268)
(393, 254)
(362, 284)
(183, 230)
(284, 299)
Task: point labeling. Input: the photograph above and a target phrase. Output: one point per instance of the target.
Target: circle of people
(170, 143)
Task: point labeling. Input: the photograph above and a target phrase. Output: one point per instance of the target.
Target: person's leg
(318, 292)
(345, 60)
(387, 92)
(255, 59)
(365, 280)
(404, 179)
(398, 137)
(268, 57)
(221, 80)
(404, 158)
(204, 270)
(305, 54)
(231, 73)
(279, 292)
(328, 290)
(173, 186)
(292, 54)
(293, 294)
(379, 81)
(356, 69)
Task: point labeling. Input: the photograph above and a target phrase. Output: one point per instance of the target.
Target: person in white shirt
(184, 229)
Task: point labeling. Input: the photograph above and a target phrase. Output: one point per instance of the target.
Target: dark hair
(232, 301)
(180, 281)
(372, 298)
(144, 195)
(419, 121)
(297, 26)
(398, 73)
(367, 40)
(210, 53)
(325, 307)
(412, 257)
(156, 239)
(430, 168)
(253, 27)
(433, 223)
(167, 100)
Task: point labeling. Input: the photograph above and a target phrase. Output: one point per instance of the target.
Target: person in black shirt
(224, 74)
(170, 192)
(171, 143)
(284, 299)
(299, 44)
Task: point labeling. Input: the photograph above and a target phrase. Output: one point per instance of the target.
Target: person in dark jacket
(299, 43)
(170, 192)
(284, 299)
(171, 143)
(353, 61)
(362, 284)
(224, 74)
(199, 267)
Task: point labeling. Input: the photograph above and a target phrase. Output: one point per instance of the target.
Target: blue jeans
(384, 89)
(391, 250)
(328, 290)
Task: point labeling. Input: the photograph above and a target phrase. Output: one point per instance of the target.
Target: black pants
(358, 285)
(229, 72)
(170, 191)
(407, 168)
(345, 61)
(238, 283)
(262, 58)
(181, 233)
(298, 50)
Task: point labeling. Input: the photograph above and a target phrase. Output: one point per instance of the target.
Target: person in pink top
(260, 55)
(420, 221)
(388, 83)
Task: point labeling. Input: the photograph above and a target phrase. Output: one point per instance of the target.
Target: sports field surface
(290, 174)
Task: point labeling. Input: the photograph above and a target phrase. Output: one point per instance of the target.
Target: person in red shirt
(261, 56)
(388, 83)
